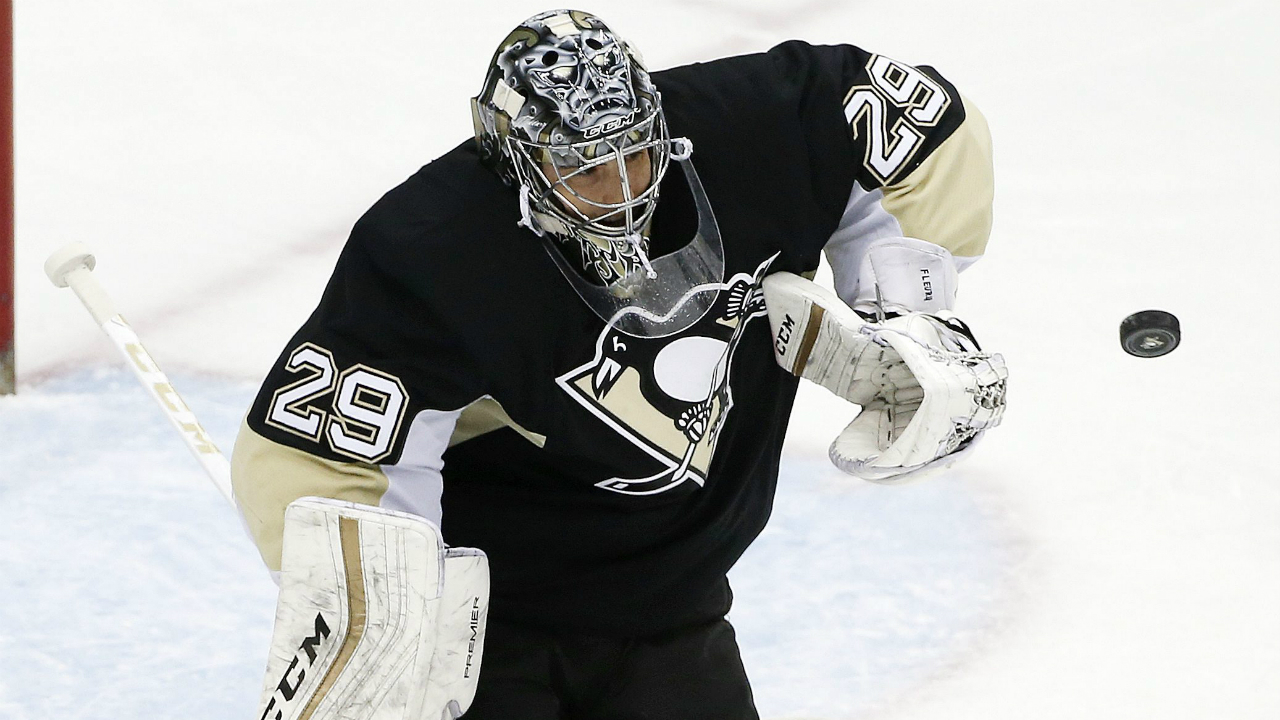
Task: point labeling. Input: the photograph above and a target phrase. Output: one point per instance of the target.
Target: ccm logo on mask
(609, 126)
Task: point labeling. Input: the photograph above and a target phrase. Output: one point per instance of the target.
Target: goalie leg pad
(464, 611)
(363, 602)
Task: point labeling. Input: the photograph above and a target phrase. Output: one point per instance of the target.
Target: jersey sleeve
(362, 402)
(920, 151)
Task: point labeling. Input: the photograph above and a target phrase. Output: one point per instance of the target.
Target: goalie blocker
(927, 391)
(376, 619)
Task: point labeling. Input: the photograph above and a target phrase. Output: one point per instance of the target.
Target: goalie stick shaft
(72, 266)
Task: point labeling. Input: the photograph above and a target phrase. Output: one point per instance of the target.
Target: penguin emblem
(670, 396)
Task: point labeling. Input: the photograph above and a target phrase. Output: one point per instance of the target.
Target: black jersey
(612, 480)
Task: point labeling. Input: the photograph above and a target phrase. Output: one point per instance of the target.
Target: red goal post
(6, 198)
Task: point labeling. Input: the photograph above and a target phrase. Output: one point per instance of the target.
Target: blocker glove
(926, 389)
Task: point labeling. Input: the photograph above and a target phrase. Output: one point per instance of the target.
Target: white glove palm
(924, 405)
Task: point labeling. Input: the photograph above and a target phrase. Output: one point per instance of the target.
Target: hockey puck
(1150, 333)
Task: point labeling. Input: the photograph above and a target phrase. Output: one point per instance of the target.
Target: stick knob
(72, 266)
(66, 261)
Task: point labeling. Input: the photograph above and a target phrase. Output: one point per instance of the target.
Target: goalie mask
(565, 98)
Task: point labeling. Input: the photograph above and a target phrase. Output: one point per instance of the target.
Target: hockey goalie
(503, 469)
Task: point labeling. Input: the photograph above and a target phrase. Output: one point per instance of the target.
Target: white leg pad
(363, 601)
(464, 610)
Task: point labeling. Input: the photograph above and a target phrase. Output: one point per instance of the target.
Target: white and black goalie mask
(567, 103)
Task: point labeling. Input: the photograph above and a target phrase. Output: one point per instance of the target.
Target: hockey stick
(72, 266)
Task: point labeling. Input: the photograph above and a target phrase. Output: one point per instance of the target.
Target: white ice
(1111, 552)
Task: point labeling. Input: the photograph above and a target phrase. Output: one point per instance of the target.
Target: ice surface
(131, 590)
(1112, 551)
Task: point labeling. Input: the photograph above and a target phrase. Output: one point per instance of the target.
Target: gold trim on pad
(810, 337)
(357, 611)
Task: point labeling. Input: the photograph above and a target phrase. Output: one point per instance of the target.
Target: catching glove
(927, 391)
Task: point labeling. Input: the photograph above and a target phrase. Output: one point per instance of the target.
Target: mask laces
(681, 148)
(526, 215)
(634, 239)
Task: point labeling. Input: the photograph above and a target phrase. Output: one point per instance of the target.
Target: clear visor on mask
(677, 289)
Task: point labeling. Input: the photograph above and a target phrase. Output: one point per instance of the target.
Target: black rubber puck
(1150, 333)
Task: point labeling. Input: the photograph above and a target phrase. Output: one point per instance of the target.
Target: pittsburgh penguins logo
(670, 396)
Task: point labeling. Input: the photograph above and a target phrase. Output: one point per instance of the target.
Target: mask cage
(568, 160)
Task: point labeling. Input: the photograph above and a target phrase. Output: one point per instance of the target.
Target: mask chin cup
(674, 292)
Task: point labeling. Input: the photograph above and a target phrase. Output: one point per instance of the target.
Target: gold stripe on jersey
(484, 416)
(947, 200)
(266, 476)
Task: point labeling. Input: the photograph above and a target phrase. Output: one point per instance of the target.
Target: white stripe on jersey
(415, 483)
(864, 221)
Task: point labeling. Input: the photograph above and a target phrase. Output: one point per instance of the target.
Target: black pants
(692, 674)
